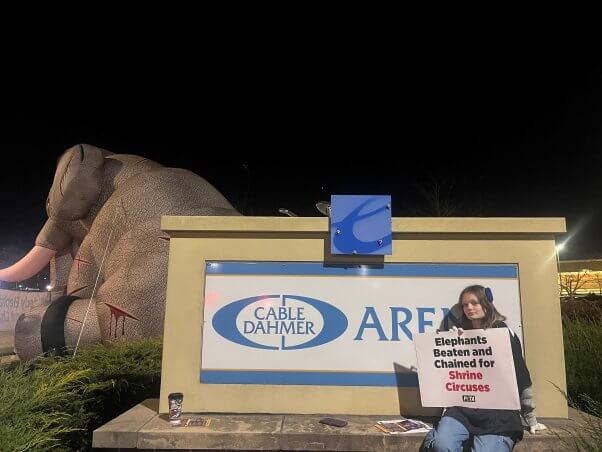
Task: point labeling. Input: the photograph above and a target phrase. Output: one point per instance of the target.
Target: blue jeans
(451, 434)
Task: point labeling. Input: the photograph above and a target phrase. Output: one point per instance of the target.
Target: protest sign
(474, 370)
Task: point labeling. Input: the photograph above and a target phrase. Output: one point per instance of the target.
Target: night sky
(503, 126)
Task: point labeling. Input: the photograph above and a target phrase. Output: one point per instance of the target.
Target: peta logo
(280, 322)
(468, 398)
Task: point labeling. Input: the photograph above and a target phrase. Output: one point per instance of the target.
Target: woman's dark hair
(492, 316)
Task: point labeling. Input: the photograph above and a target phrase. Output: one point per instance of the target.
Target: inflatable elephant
(103, 242)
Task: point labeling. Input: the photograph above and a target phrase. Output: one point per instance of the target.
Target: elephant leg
(84, 272)
(128, 298)
(74, 321)
(60, 267)
(131, 302)
(46, 328)
(55, 328)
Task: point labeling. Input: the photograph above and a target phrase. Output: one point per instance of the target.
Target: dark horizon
(261, 185)
(511, 131)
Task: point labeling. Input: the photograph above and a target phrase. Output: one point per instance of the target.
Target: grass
(582, 326)
(588, 436)
(582, 345)
(56, 403)
(32, 418)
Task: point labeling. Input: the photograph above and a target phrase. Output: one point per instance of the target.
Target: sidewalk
(142, 428)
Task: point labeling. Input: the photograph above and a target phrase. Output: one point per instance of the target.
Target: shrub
(588, 436)
(56, 403)
(582, 343)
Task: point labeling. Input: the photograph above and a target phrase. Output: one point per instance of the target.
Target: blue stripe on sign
(319, 269)
(309, 378)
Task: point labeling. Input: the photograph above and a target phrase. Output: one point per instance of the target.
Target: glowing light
(211, 298)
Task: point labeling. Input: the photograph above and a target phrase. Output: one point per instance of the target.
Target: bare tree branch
(571, 283)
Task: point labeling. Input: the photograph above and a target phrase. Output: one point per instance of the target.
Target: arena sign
(306, 323)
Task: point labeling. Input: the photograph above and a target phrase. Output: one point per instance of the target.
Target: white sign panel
(473, 370)
(13, 303)
(304, 323)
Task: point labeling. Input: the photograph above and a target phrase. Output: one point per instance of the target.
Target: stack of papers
(402, 426)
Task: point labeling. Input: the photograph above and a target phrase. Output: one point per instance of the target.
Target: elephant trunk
(28, 266)
(52, 238)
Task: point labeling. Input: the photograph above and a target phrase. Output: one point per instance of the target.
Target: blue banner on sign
(360, 224)
(388, 269)
(242, 376)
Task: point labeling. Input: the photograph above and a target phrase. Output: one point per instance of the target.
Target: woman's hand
(455, 329)
(536, 428)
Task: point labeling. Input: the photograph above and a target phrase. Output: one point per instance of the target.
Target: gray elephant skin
(104, 243)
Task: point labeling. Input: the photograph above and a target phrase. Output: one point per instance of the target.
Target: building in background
(579, 278)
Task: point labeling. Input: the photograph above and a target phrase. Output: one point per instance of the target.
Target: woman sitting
(490, 429)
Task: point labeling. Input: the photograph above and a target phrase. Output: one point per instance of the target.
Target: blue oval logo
(280, 322)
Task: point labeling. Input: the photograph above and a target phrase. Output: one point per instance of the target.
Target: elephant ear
(77, 182)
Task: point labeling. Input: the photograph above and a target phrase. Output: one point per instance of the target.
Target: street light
(323, 207)
(284, 211)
